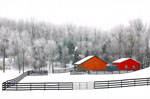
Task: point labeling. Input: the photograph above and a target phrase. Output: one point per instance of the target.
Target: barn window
(133, 67)
(126, 67)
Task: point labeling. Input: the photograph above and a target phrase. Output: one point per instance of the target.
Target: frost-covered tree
(50, 49)
(65, 56)
(33, 44)
(39, 54)
(76, 56)
(131, 44)
(24, 46)
(15, 47)
(137, 27)
(119, 39)
(147, 43)
(4, 42)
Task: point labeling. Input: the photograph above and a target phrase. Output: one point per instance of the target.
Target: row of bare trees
(38, 44)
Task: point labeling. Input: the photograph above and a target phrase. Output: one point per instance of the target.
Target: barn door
(80, 68)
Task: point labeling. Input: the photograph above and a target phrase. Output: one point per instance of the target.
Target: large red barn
(92, 63)
(126, 64)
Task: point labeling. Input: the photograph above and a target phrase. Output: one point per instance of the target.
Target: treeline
(39, 44)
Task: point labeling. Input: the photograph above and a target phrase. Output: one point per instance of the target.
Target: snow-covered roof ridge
(83, 60)
(122, 60)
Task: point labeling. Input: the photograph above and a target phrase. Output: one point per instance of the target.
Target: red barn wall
(129, 63)
(94, 64)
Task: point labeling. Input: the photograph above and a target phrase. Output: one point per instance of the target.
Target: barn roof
(83, 60)
(122, 60)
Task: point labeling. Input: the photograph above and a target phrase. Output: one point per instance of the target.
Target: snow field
(141, 92)
(66, 77)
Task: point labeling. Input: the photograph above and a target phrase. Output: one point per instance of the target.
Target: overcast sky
(104, 14)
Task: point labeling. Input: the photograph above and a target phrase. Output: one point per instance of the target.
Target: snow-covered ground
(66, 77)
(139, 92)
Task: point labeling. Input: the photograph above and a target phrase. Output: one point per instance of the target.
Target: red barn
(127, 64)
(91, 63)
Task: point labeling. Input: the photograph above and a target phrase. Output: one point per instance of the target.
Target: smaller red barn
(127, 64)
(90, 63)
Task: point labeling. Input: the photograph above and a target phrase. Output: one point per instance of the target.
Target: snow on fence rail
(121, 83)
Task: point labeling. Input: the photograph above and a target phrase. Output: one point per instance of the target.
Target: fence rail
(14, 85)
(76, 85)
(36, 73)
(121, 83)
(98, 72)
(40, 86)
(63, 70)
(9, 83)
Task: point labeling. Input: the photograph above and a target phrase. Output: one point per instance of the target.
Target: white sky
(94, 13)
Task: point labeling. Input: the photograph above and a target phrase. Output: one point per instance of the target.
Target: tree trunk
(147, 49)
(4, 54)
(19, 64)
(131, 52)
(52, 67)
(49, 64)
(56, 63)
(119, 52)
(34, 63)
(65, 63)
(23, 62)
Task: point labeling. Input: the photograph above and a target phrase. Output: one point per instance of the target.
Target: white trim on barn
(83, 60)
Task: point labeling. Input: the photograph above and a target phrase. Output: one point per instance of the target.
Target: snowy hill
(117, 93)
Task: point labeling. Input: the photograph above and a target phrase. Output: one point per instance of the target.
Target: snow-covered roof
(122, 60)
(83, 60)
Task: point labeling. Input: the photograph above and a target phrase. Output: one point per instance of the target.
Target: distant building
(92, 63)
(7, 63)
(126, 64)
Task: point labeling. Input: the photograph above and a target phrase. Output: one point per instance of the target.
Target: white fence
(83, 85)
